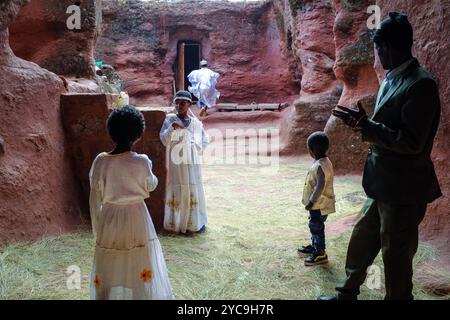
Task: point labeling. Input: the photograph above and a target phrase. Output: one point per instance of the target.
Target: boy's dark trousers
(393, 229)
(317, 229)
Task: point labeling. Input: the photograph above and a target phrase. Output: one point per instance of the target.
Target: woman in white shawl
(185, 139)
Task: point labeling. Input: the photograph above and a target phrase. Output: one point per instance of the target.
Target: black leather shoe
(346, 296)
(327, 298)
(340, 296)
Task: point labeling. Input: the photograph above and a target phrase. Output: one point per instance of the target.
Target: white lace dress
(128, 260)
(185, 208)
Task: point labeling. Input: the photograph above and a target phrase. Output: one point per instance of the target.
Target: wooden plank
(252, 106)
(284, 105)
(226, 106)
(248, 107)
(180, 71)
(268, 106)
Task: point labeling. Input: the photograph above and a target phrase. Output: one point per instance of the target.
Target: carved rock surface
(354, 67)
(40, 34)
(38, 194)
(308, 28)
(84, 117)
(241, 42)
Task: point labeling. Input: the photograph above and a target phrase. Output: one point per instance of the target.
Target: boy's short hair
(318, 142)
(125, 124)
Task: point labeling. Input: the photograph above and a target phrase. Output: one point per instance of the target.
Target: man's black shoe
(339, 296)
(327, 298)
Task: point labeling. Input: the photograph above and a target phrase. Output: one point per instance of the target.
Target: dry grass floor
(256, 223)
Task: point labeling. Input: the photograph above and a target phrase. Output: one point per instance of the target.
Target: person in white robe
(203, 86)
(128, 260)
(185, 138)
(122, 100)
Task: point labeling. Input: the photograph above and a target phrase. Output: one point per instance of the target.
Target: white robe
(128, 259)
(185, 207)
(203, 86)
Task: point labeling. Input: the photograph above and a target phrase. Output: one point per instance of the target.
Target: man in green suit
(399, 177)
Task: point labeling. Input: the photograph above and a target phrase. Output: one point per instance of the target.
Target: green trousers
(393, 229)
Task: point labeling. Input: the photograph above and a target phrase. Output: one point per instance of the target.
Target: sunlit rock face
(308, 29)
(43, 34)
(38, 194)
(314, 53)
(86, 134)
(354, 67)
(241, 42)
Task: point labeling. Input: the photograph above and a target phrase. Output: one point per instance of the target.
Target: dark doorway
(188, 60)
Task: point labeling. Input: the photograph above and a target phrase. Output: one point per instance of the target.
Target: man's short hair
(396, 31)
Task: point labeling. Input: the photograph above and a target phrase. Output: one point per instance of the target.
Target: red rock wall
(354, 67)
(40, 35)
(431, 23)
(263, 51)
(308, 27)
(37, 191)
(241, 41)
(84, 117)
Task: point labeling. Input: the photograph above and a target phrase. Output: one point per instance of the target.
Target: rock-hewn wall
(431, 23)
(308, 27)
(333, 47)
(40, 34)
(354, 67)
(84, 117)
(263, 51)
(37, 191)
(240, 40)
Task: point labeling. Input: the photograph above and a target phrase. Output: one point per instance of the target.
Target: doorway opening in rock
(188, 59)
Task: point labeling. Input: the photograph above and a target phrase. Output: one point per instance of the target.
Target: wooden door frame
(180, 74)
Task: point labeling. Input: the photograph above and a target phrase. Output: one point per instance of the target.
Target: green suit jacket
(401, 133)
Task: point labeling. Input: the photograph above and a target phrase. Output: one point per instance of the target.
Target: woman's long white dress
(185, 207)
(128, 261)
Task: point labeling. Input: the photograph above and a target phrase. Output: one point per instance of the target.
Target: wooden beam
(180, 71)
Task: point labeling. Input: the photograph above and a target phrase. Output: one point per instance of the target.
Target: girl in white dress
(185, 139)
(128, 261)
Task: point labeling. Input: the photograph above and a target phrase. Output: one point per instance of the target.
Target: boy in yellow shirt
(318, 198)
